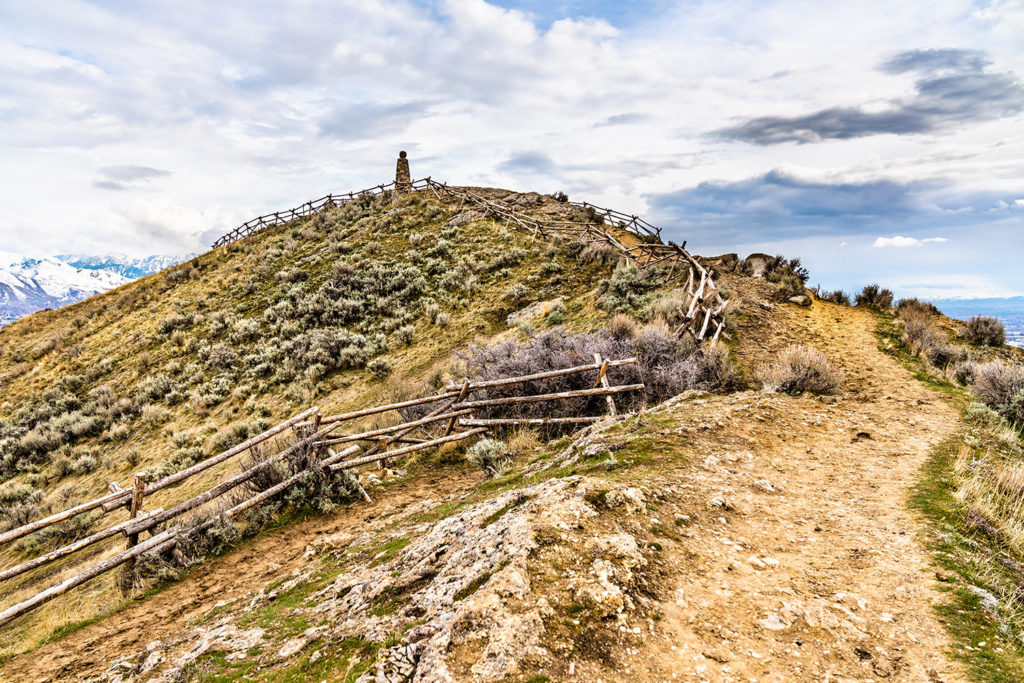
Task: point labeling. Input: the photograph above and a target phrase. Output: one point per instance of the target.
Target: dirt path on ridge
(824, 578)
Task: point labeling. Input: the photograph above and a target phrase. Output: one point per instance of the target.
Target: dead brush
(1000, 385)
(798, 369)
(924, 338)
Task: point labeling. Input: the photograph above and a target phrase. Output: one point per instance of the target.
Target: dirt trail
(824, 578)
(242, 572)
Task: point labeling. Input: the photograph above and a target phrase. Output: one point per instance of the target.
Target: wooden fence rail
(309, 431)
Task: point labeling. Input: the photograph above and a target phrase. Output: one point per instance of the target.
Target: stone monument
(403, 181)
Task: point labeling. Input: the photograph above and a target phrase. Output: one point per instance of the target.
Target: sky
(878, 141)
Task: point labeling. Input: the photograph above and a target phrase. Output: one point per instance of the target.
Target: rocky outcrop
(460, 593)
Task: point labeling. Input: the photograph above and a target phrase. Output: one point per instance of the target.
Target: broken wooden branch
(543, 375)
(363, 436)
(408, 449)
(64, 551)
(172, 479)
(533, 421)
(119, 496)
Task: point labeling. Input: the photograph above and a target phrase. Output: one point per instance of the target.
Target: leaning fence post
(135, 506)
(462, 396)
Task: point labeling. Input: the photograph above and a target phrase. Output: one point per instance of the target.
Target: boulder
(755, 264)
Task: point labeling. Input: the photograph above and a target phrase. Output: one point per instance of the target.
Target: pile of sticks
(451, 419)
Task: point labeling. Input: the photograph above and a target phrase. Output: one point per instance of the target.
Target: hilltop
(716, 528)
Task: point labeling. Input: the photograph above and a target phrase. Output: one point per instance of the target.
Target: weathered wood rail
(305, 431)
(704, 315)
(328, 201)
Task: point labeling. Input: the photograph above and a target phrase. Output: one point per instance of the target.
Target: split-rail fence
(451, 419)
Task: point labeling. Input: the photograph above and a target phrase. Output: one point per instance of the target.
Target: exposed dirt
(802, 562)
(798, 559)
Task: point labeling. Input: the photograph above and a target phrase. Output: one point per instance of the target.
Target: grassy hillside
(690, 524)
(355, 306)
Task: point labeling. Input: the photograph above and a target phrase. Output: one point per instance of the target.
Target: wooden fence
(703, 316)
(308, 209)
(451, 416)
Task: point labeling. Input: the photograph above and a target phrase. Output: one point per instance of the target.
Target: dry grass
(990, 478)
(798, 369)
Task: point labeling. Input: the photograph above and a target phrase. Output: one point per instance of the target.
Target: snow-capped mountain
(32, 284)
(123, 265)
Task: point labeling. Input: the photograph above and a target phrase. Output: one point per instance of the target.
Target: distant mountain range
(33, 284)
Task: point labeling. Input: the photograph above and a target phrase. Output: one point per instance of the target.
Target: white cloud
(899, 241)
(255, 107)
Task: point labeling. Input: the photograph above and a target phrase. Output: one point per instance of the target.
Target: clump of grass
(799, 369)
(489, 455)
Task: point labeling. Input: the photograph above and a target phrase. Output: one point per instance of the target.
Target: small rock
(988, 601)
(774, 623)
(632, 499)
(800, 300)
(721, 502)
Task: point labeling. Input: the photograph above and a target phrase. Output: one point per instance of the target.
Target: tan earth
(800, 561)
(824, 577)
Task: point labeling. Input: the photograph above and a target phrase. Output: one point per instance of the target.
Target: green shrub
(985, 331)
(790, 286)
(405, 334)
(489, 455)
(1000, 385)
(517, 293)
(628, 287)
(379, 368)
(876, 297)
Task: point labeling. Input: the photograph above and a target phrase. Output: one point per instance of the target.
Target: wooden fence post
(603, 381)
(462, 396)
(138, 494)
